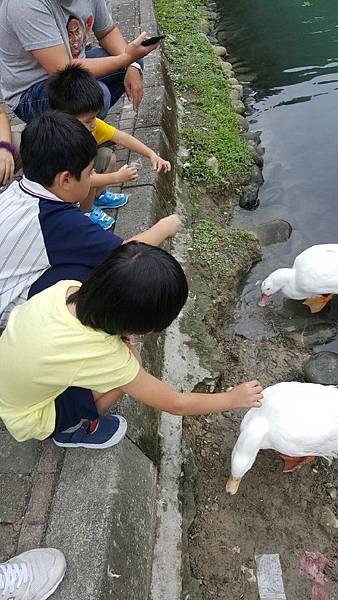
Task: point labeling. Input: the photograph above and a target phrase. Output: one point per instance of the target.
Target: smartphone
(152, 40)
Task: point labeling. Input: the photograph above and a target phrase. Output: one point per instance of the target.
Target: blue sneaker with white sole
(99, 217)
(110, 200)
(109, 431)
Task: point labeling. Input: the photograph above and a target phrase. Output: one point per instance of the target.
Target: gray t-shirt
(27, 25)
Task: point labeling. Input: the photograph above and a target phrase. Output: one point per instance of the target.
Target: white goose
(299, 420)
(314, 276)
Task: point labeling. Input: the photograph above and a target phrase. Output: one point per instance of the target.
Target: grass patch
(220, 249)
(209, 126)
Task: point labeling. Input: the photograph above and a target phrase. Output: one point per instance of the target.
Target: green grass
(217, 248)
(209, 126)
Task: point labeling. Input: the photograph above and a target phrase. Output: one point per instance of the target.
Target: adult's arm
(56, 57)
(113, 42)
(6, 157)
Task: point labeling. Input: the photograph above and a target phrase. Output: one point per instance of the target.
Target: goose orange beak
(264, 301)
(232, 486)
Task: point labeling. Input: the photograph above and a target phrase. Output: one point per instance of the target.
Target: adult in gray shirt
(38, 37)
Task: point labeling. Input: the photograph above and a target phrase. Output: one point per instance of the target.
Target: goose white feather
(296, 419)
(314, 272)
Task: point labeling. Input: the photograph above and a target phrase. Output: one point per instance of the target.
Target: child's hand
(172, 224)
(158, 164)
(246, 395)
(127, 173)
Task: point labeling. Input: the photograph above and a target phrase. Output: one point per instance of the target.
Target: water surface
(287, 51)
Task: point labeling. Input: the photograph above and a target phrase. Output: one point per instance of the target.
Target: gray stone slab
(31, 536)
(13, 492)
(9, 540)
(17, 457)
(41, 496)
(102, 519)
(139, 214)
(150, 113)
(50, 458)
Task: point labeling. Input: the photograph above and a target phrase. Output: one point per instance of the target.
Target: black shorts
(71, 406)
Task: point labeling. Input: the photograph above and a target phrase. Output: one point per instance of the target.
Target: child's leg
(105, 401)
(72, 407)
(78, 424)
(104, 163)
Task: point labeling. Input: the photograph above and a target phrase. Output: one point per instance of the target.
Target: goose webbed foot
(293, 463)
(317, 303)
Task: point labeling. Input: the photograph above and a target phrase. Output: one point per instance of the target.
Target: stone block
(13, 492)
(103, 520)
(140, 213)
(50, 458)
(9, 540)
(30, 536)
(17, 457)
(41, 496)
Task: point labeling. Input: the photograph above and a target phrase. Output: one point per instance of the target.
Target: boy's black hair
(75, 91)
(138, 289)
(55, 142)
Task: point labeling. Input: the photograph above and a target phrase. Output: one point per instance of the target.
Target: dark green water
(287, 50)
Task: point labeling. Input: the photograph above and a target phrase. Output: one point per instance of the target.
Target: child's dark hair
(75, 91)
(55, 142)
(137, 289)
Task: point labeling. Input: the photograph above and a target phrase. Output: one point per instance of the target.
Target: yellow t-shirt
(103, 132)
(45, 349)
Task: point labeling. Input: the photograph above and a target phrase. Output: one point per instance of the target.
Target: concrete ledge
(103, 519)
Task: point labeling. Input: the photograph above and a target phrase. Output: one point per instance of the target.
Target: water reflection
(287, 50)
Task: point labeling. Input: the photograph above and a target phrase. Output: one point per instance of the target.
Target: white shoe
(32, 575)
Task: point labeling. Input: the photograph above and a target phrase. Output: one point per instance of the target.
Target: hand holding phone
(152, 40)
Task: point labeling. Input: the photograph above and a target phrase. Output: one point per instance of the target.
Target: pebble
(255, 154)
(204, 26)
(220, 51)
(249, 198)
(252, 136)
(212, 163)
(322, 368)
(239, 108)
(329, 521)
(273, 232)
(243, 123)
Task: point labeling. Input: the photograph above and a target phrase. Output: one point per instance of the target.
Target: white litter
(269, 577)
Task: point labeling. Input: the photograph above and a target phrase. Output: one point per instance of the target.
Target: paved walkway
(88, 502)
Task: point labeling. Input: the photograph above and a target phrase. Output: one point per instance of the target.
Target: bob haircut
(138, 289)
(53, 143)
(74, 91)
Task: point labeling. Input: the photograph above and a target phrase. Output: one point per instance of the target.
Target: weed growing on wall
(209, 127)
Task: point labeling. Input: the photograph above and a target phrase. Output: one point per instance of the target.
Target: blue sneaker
(110, 200)
(99, 217)
(108, 432)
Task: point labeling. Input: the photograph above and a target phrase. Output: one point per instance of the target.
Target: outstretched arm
(131, 142)
(155, 393)
(163, 229)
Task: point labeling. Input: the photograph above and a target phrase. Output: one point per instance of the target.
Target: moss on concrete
(209, 126)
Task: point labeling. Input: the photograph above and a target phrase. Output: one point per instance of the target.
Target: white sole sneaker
(115, 439)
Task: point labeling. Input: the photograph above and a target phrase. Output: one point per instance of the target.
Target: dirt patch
(272, 512)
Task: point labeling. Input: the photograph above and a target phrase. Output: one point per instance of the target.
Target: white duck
(299, 420)
(314, 276)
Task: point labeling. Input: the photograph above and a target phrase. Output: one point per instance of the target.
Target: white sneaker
(32, 575)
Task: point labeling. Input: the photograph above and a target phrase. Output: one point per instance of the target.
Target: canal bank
(273, 513)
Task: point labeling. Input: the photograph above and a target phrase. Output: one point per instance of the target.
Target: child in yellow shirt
(66, 355)
(75, 91)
